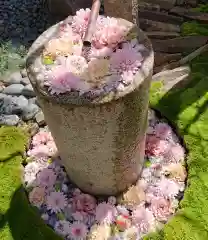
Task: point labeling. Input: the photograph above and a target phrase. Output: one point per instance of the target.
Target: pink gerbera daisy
(78, 231)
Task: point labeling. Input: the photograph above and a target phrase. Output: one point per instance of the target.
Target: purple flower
(125, 59)
(56, 202)
(46, 178)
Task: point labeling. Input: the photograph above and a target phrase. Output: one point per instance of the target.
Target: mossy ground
(186, 108)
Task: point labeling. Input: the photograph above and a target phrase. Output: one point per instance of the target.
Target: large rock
(101, 142)
(172, 78)
(190, 14)
(161, 58)
(160, 17)
(179, 45)
(162, 35)
(14, 89)
(10, 120)
(149, 6)
(164, 4)
(149, 25)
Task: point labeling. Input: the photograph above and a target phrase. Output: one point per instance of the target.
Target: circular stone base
(144, 208)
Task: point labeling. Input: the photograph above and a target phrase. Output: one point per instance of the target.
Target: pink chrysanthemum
(63, 228)
(125, 59)
(174, 154)
(41, 137)
(143, 219)
(80, 21)
(61, 80)
(110, 35)
(161, 208)
(46, 178)
(163, 131)
(84, 203)
(78, 231)
(105, 213)
(56, 202)
(155, 146)
(164, 188)
(37, 196)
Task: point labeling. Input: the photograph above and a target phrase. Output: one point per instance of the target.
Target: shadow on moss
(187, 109)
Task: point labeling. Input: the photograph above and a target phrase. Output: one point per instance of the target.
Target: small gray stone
(14, 89)
(8, 105)
(32, 100)
(39, 117)
(23, 72)
(30, 111)
(28, 91)
(22, 102)
(14, 78)
(25, 81)
(10, 120)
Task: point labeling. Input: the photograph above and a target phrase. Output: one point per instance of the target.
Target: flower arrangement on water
(143, 208)
(112, 56)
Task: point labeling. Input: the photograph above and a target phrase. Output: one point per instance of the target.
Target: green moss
(194, 28)
(201, 8)
(188, 110)
(18, 220)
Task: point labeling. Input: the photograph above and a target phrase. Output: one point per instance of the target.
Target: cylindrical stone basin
(101, 142)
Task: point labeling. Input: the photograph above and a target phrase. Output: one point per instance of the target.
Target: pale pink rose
(84, 203)
(143, 219)
(39, 151)
(105, 213)
(161, 208)
(41, 137)
(37, 196)
(155, 146)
